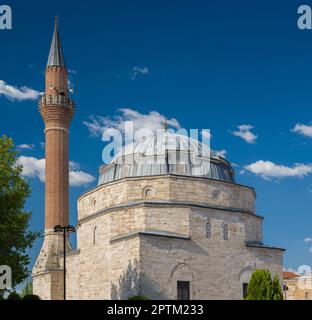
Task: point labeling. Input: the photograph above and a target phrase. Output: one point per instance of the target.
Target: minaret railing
(56, 100)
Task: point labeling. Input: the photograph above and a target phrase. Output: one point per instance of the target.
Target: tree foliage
(15, 235)
(262, 287)
(277, 293)
(14, 296)
(28, 289)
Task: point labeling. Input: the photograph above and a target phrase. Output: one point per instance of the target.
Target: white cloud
(220, 153)
(290, 270)
(152, 121)
(305, 130)
(80, 178)
(308, 240)
(206, 134)
(268, 169)
(139, 71)
(74, 165)
(14, 93)
(26, 146)
(70, 82)
(71, 86)
(33, 167)
(244, 132)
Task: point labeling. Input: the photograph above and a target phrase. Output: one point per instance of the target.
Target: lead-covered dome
(167, 153)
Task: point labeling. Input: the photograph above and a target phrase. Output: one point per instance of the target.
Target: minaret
(57, 110)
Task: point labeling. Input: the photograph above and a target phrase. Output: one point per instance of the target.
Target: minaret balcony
(56, 100)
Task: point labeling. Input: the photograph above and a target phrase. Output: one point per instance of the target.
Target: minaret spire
(56, 56)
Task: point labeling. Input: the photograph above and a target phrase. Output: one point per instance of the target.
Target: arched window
(95, 235)
(208, 230)
(225, 232)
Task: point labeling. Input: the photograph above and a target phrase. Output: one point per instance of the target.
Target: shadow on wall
(151, 289)
(128, 283)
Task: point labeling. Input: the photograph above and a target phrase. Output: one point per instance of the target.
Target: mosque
(176, 230)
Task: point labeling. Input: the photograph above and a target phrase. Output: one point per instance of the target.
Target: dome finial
(166, 125)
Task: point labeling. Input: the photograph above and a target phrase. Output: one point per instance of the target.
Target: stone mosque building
(163, 230)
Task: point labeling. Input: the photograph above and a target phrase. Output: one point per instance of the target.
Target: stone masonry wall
(167, 188)
(115, 260)
(49, 285)
(216, 270)
(101, 269)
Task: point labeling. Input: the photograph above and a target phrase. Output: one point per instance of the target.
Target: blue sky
(208, 64)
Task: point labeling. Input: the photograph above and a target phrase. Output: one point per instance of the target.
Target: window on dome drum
(208, 230)
(225, 232)
(245, 288)
(183, 290)
(95, 235)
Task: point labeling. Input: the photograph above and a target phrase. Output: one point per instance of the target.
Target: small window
(183, 292)
(245, 290)
(93, 202)
(95, 235)
(307, 296)
(208, 230)
(225, 232)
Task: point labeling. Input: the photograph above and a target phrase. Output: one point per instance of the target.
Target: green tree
(277, 293)
(14, 296)
(27, 290)
(262, 287)
(15, 235)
